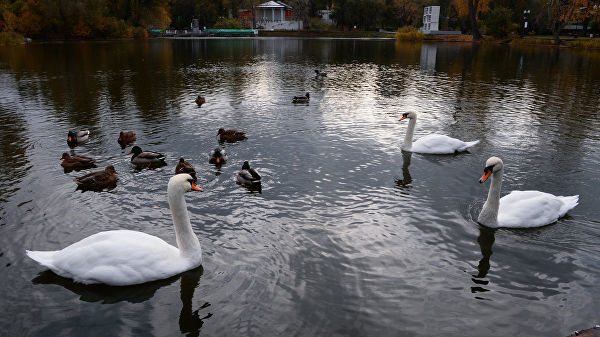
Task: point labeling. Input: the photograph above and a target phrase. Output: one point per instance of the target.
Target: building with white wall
(431, 19)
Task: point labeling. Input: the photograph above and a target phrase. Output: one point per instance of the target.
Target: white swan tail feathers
(468, 145)
(45, 258)
(568, 204)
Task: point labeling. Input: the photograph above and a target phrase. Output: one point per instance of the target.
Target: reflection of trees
(13, 147)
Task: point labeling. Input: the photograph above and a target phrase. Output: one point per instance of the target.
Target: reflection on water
(190, 322)
(404, 183)
(486, 241)
(330, 246)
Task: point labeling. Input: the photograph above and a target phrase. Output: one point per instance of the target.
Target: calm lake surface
(349, 236)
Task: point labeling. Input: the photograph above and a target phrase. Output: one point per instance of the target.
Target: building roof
(274, 4)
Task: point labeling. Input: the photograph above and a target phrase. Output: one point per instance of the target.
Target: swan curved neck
(489, 213)
(187, 241)
(408, 138)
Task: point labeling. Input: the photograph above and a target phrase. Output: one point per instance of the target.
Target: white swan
(519, 209)
(433, 143)
(124, 257)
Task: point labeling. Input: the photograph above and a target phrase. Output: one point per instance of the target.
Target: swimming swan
(519, 209)
(433, 143)
(124, 257)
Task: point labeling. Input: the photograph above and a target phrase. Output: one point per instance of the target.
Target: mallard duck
(248, 176)
(185, 167)
(97, 180)
(126, 137)
(217, 156)
(301, 99)
(230, 135)
(146, 157)
(76, 137)
(76, 162)
(125, 257)
(200, 100)
(320, 73)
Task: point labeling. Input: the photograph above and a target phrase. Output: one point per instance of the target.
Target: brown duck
(97, 180)
(76, 162)
(230, 135)
(200, 100)
(185, 167)
(126, 137)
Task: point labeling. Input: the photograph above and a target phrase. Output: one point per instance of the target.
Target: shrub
(140, 33)
(499, 23)
(409, 33)
(223, 23)
(8, 38)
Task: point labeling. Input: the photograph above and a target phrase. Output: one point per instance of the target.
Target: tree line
(48, 19)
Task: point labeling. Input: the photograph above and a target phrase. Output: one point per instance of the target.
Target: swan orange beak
(485, 176)
(196, 188)
(403, 117)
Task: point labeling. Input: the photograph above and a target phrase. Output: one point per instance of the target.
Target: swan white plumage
(519, 209)
(433, 143)
(125, 257)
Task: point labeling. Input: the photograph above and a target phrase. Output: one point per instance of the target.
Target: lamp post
(525, 23)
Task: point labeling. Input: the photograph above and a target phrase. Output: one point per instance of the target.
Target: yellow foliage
(409, 33)
(462, 7)
(9, 21)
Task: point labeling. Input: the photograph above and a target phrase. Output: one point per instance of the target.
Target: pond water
(349, 236)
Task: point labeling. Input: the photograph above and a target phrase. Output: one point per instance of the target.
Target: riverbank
(328, 33)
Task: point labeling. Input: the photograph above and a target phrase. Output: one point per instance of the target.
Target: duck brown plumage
(126, 137)
(76, 162)
(200, 100)
(230, 135)
(97, 180)
(301, 99)
(185, 167)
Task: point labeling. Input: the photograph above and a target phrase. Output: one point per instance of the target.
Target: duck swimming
(185, 167)
(97, 180)
(432, 143)
(125, 257)
(200, 100)
(146, 157)
(126, 137)
(77, 137)
(320, 73)
(76, 162)
(230, 135)
(247, 175)
(217, 156)
(301, 99)
(519, 209)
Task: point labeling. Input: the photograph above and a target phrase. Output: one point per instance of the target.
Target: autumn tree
(562, 12)
(472, 8)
